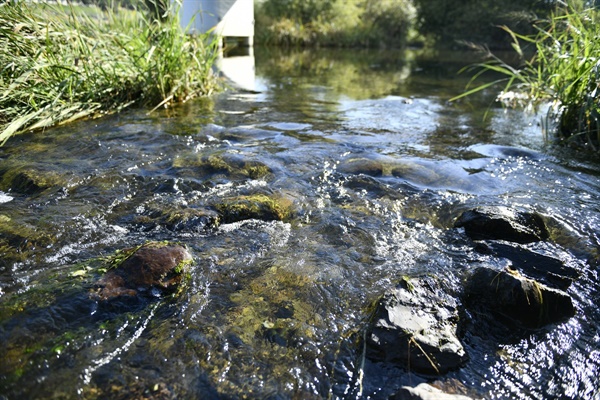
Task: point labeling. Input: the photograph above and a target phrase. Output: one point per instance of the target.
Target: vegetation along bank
(62, 63)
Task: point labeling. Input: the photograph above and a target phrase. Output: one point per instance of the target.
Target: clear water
(277, 309)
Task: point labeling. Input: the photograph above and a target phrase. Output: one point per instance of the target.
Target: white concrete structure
(227, 18)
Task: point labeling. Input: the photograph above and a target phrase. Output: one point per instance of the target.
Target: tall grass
(564, 72)
(59, 64)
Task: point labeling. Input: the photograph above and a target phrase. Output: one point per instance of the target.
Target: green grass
(59, 64)
(564, 73)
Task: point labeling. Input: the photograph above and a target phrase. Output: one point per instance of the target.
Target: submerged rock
(415, 326)
(179, 219)
(231, 165)
(17, 240)
(531, 262)
(153, 265)
(28, 180)
(509, 294)
(256, 206)
(366, 166)
(425, 391)
(502, 223)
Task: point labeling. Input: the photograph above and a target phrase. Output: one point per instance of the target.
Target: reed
(62, 63)
(564, 73)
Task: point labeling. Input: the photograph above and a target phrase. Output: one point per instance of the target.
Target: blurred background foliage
(395, 23)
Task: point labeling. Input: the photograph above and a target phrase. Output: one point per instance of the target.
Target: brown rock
(152, 265)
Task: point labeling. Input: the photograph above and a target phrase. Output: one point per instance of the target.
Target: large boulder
(501, 223)
(154, 265)
(415, 326)
(508, 294)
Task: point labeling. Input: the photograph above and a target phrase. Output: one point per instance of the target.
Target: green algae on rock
(233, 165)
(256, 206)
(27, 179)
(17, 240)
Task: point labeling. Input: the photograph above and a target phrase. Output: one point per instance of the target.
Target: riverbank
(65, 63)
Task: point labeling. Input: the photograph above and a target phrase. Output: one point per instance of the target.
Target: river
(376, 165)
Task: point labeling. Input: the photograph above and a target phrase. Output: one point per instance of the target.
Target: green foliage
(64, 63)
(564, 72)
(389, 21)
(450, 21)
(303, 11)
(342, 23)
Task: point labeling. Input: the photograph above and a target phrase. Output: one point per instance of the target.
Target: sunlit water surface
(278, 309)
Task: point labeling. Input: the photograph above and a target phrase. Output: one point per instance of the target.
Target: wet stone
(531, 262)
(28, 180)
(257, 206)
(425, 391)
(416, 173)
(415, 326)
(153, 265)
(364, 166)
(180, 219)
(511, 296)
(231, 165)
(501, 223)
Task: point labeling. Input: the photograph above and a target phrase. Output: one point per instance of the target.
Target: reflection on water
(237, 66)
(376, 166)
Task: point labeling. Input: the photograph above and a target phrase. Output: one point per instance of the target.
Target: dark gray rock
(414, 326)
(537, 262)
(509, 294)
(501, 223)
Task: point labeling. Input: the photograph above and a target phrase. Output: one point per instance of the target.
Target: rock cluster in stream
(415, 325)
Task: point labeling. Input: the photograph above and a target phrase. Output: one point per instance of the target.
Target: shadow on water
(374, 165)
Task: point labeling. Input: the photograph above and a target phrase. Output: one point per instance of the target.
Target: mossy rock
(256, 206)
(364, 166)
(25, 179)
(416, 173)
(16, 240)
(232, 165)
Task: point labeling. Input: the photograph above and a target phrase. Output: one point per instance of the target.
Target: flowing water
(376, 165)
